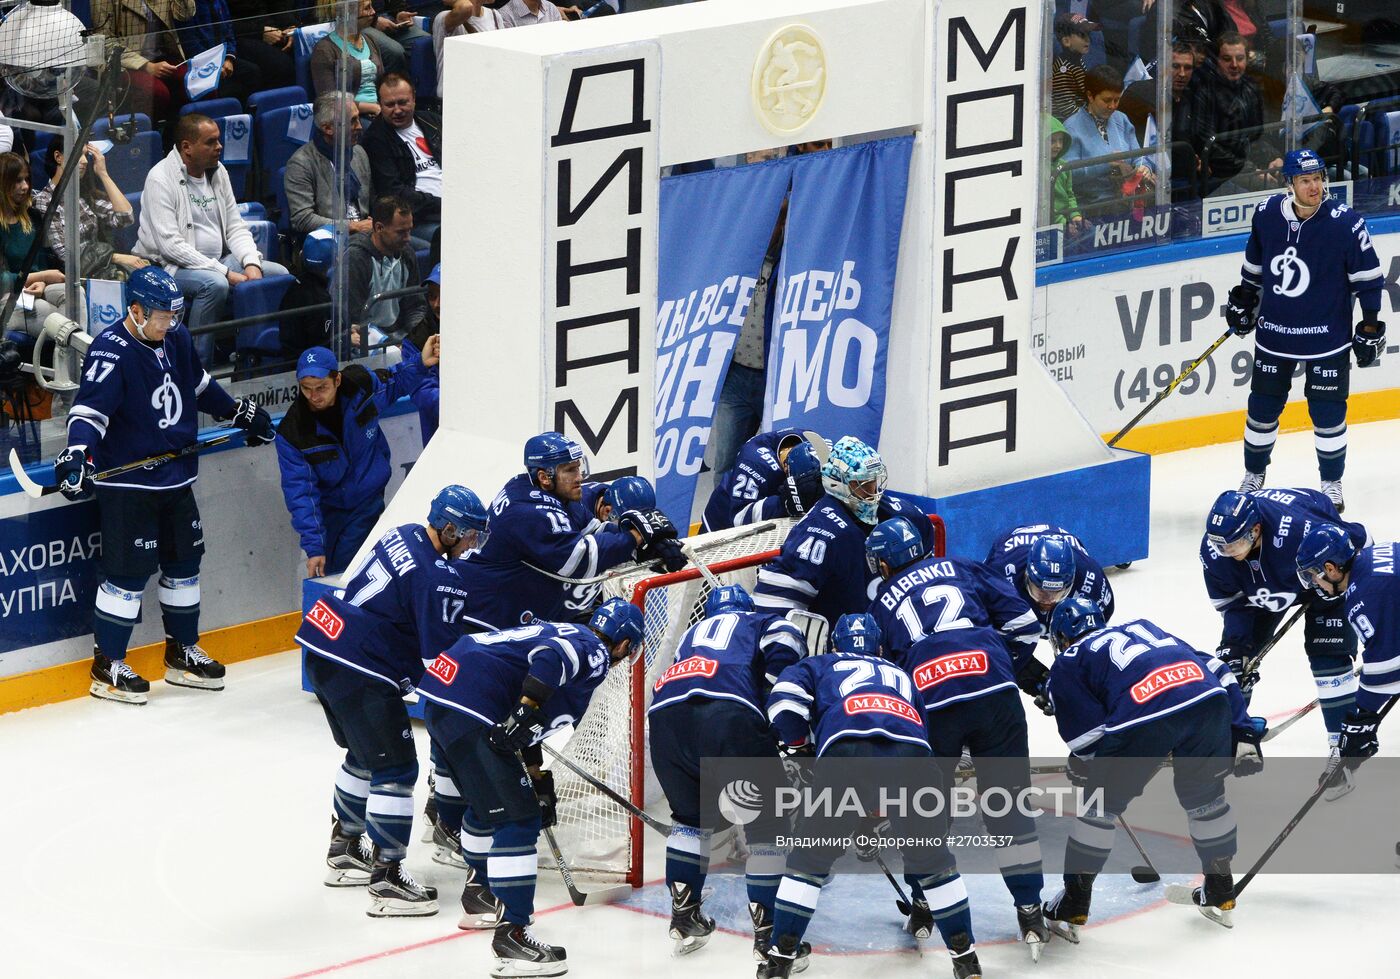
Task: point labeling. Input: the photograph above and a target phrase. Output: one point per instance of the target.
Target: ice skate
(190, 666)
(112, 679)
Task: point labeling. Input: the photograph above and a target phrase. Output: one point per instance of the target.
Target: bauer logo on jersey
(324, 619)
(1291, 272)
(686, 668)
(874, 703)
(444, 668)
(166, 400)
(1165, 678)
(971, 662)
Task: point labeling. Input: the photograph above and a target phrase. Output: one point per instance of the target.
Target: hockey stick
(1301, 713)
(661, 827)
(1253, 664)
(39, 491)
(905, 908)
(749, 530)
(580, 898)
(1322, 786)
(710, 577)
(1146, 874)
(1162, 394)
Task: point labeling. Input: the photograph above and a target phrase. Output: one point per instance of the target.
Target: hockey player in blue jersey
(1046, 564)
(605, 503)
(1331, 563)
(850, 703)
(1134, 693)
(710, 704)
(539, 549)
(776, 474)
(957, 627)
(1249, 556)
(141, 391)
(821, 567)
(489, 699)
(1307, 257)
(367, 648)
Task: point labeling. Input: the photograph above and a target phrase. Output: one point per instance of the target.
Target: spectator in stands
(311, 179)
(527, 13)
(43, 287)
(1064, 206)
(366, 62)
(464, 17)
(1246, 19)
(378, 262)
(212, 25)
(396, 28)
(190, 224)
(1189, 121)
(153, 58)
(404, 147)
(102, 210)
(1067, 70)
(1243, 152)
(425, 397)
(266, 31)
(1115, 19)
(1099, 129)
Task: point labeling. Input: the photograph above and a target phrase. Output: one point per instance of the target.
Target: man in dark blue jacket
(334, 459)
(212, 25)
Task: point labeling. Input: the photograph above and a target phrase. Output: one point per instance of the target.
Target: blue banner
(48, 574)
(715, 229)
(830, 338)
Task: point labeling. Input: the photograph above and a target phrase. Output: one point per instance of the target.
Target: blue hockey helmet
(616, 620)
(1050, 569)
(728, 598)
(550, 449)
(458, 506)
(1297, 163)
(155, 288)
(857, 632)
(1324, 544)
(1072, 619)
(802, 459)
(895, 541)
(855, 474)
(629, 493)
(1232, 520)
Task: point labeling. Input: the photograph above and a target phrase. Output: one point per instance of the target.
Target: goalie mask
(855, 474)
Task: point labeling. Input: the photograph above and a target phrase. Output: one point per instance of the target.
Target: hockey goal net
(597, 836)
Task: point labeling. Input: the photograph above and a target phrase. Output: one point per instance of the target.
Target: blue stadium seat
(252, 211)
(275, 145)
(422, 70)
(1346, 120)
(38, 172)
(1365, 147)
(100, 126)
(128, 163)
(238, 128)
(125, 238)
(213, 108)
(306, 38)
(276, 98)
(1388, 138)
(253, 298)
(265, 234)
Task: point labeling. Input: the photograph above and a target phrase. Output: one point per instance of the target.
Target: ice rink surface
(187, 837)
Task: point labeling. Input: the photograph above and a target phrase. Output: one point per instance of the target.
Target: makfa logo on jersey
(1291, 272)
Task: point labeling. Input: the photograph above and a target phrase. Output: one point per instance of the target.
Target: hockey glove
(794, 757)
(1368, 342)
(73, 472)
(658, 537)
(1077, 771)
(254, 420)
(548, 799)
(522, 728)
(1249, 757)
(1359, 741)
(801, 492)
(1237, 658)
(1239, 309)
(868, 838)
(1032, 678)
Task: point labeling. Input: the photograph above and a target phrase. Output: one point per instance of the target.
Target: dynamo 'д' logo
(740, 802)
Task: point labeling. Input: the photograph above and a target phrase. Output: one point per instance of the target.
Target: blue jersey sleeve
(1227, 598)
(550, 541)
(790, 705)
(101, 393)
(782, 645)
(210, 398)
(1239, 709)
(1252, 269)
(1363, 268)
(1079, 714)
(1010, 614)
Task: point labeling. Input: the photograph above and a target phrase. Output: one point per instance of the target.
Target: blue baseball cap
(316, 362)
(435, 275)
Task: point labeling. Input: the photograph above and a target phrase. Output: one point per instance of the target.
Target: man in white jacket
(190, 224)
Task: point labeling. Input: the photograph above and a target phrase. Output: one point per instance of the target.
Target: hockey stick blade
(1142, 874)
(1181, 894)
(31, 488)
(661, 827)
(580, 898)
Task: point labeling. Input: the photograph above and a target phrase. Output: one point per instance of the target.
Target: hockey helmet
(1324, 544)
(155, 288)
(1231, 521)
(1050, 569)
(616, 620)
(458, 506)
(629, 493)
(728, 598)
(857, 632)
(1073, 619)
(550, 449)
(855, 474)
(318, 250)
(1297, 163)
(895, 541)
(802, 459)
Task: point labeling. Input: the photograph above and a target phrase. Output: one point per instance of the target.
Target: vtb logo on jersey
(1291, 272)
(166, 400)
